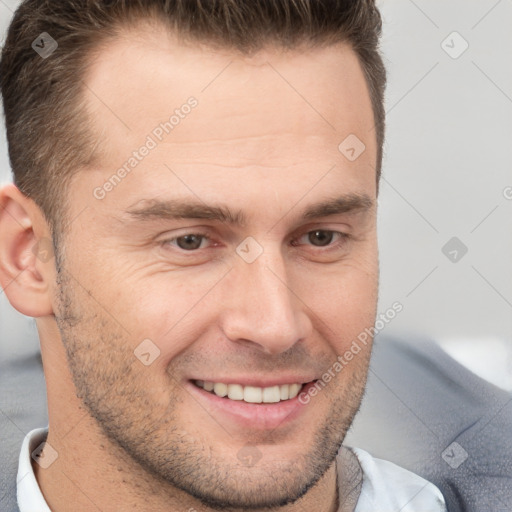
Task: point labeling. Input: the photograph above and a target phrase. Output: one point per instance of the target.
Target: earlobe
(26, 254)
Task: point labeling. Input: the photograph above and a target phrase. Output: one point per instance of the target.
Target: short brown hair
(47, 130)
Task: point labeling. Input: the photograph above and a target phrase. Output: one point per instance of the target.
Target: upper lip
(260, 382)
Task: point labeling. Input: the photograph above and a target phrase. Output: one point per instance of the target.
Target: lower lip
(257, 416)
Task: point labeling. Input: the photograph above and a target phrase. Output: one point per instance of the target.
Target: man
(193, 226)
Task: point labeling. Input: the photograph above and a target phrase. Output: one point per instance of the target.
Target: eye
(323, 238)
(189, 241)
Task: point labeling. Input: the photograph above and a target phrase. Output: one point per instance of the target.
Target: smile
(251, 394)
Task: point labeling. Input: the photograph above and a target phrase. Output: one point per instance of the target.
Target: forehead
(286, 110)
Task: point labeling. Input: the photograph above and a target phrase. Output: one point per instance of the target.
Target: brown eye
(320, 237)
(189, 242)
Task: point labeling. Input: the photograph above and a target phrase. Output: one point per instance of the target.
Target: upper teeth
(252, 394)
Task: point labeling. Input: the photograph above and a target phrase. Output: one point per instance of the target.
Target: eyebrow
(173, 209)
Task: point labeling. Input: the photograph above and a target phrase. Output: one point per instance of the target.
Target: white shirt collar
(30, 497)
(387, 486)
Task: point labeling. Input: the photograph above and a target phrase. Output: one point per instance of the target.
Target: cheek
(342, 303)
(171, 309)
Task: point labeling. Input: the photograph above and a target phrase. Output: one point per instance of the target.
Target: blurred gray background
(447, 167)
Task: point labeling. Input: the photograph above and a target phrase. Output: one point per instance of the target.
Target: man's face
(270, 300)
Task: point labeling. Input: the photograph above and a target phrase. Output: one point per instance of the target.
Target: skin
(263, 140)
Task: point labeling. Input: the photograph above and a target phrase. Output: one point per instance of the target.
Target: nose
(261, 308)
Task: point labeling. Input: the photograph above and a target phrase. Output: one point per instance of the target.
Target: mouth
(252, 394)
(250, 407)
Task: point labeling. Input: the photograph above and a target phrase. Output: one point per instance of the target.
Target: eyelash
(332, 246)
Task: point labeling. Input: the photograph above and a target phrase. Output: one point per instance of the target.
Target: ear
(27, 268)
